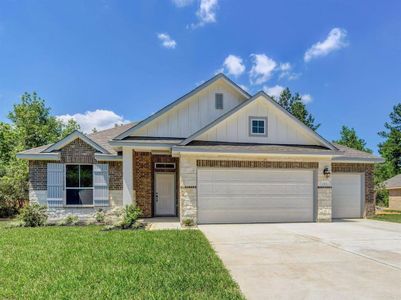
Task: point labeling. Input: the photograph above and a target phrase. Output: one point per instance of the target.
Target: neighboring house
(215, 155)
(393, 185)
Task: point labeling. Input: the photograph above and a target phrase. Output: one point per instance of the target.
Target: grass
(389, 216)
(85, 263)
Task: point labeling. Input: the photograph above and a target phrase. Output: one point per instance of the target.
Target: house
(393, 185)
(215, 155)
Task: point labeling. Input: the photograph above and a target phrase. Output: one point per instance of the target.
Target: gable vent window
(257, 126)
(219, 101)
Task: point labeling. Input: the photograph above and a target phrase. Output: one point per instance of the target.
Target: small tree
(294, 105)
(349, 138)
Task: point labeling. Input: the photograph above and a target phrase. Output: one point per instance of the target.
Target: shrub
(129, 219)
(69, 220)
(130, 216)
(188, 222)
(33, 215)
(100, 216)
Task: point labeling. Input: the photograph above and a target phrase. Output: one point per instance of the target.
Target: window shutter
(101, 185)
(55, 185)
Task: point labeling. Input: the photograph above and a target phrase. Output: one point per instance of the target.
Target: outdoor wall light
(326, 172)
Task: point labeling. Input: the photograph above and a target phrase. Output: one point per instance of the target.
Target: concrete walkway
(162, 223)
(342, 260)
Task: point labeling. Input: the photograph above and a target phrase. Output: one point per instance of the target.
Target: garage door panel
(347, 195)
(254, 195)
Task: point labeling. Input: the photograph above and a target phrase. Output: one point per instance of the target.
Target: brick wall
(370, 204)
(115, 175)
(78, 152)
(143, 182)
(38, 175)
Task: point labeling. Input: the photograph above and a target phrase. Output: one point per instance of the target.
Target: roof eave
(371, 160)
(177, 150)
(38, 156)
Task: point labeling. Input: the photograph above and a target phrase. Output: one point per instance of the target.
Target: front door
(164, 194)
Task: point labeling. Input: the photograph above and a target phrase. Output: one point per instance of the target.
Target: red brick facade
(75, 152)
(370, 203)
(38, 175)
(78, 152)
(144, 178)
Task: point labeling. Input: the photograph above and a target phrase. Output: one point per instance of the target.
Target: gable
(191, 112)
(282, 128)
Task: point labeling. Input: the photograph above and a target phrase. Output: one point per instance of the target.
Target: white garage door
(254, 195)
(347, 195)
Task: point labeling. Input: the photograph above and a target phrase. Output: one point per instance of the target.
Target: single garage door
(347, 195)
(254, 195)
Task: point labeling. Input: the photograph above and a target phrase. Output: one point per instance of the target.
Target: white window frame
(251, 119)
(163, 168)
(222, 101)
(83, 188)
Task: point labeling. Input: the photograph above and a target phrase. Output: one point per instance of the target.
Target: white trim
(180, 100)
(128, 176)
(39, 156)
(372, 160)
(70, 138)
(251, 119)
(262, 94)
(108, 157)
(177, 150)
(392, 188)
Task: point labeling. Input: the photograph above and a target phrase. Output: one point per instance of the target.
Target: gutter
(39, 156)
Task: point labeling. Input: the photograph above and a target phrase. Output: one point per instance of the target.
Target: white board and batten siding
(101, 185)
(55, 184)
(280, 128)
(255, 195)
(194, 113)
(348, 194)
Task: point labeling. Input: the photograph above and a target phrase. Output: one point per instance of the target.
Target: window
(165, 166)
(79, 184)
(257, 126)
(218, 101)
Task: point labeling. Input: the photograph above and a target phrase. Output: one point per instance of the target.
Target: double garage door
(270, 195)
(255, 195)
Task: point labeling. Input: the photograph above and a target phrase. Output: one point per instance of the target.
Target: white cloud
(335, 40)
(182, 3)
(306, 98)
(206, 13)
(274, 91)
(234, 65)
(100, 119)
(166, 40)
(262, 68)
(285, 70)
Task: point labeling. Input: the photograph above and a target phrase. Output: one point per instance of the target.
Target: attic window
(257, 126)
(218, 100)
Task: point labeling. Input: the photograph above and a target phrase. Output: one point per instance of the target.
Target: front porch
(151, 180)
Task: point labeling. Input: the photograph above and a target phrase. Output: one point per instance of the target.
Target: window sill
(78, 206)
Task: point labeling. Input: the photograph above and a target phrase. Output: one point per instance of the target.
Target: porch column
(324, 193)
(128, 181)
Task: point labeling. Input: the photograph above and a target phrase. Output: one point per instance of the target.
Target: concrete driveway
(339, 260)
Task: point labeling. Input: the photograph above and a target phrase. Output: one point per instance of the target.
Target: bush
(130, 216)
(33, 215)
(382, 197)
(129, 219)
(69, 220)
(100, 216)
(188, 222)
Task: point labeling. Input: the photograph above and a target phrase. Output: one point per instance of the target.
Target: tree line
(31, 124)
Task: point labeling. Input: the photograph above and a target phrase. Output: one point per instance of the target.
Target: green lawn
(389, 215)
(85, 263)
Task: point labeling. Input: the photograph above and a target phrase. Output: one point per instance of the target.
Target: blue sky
(127, 59)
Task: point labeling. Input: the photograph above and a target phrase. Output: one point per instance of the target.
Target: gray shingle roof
(350, 153)
(393, 182)
(257, 148)
(103, 137)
